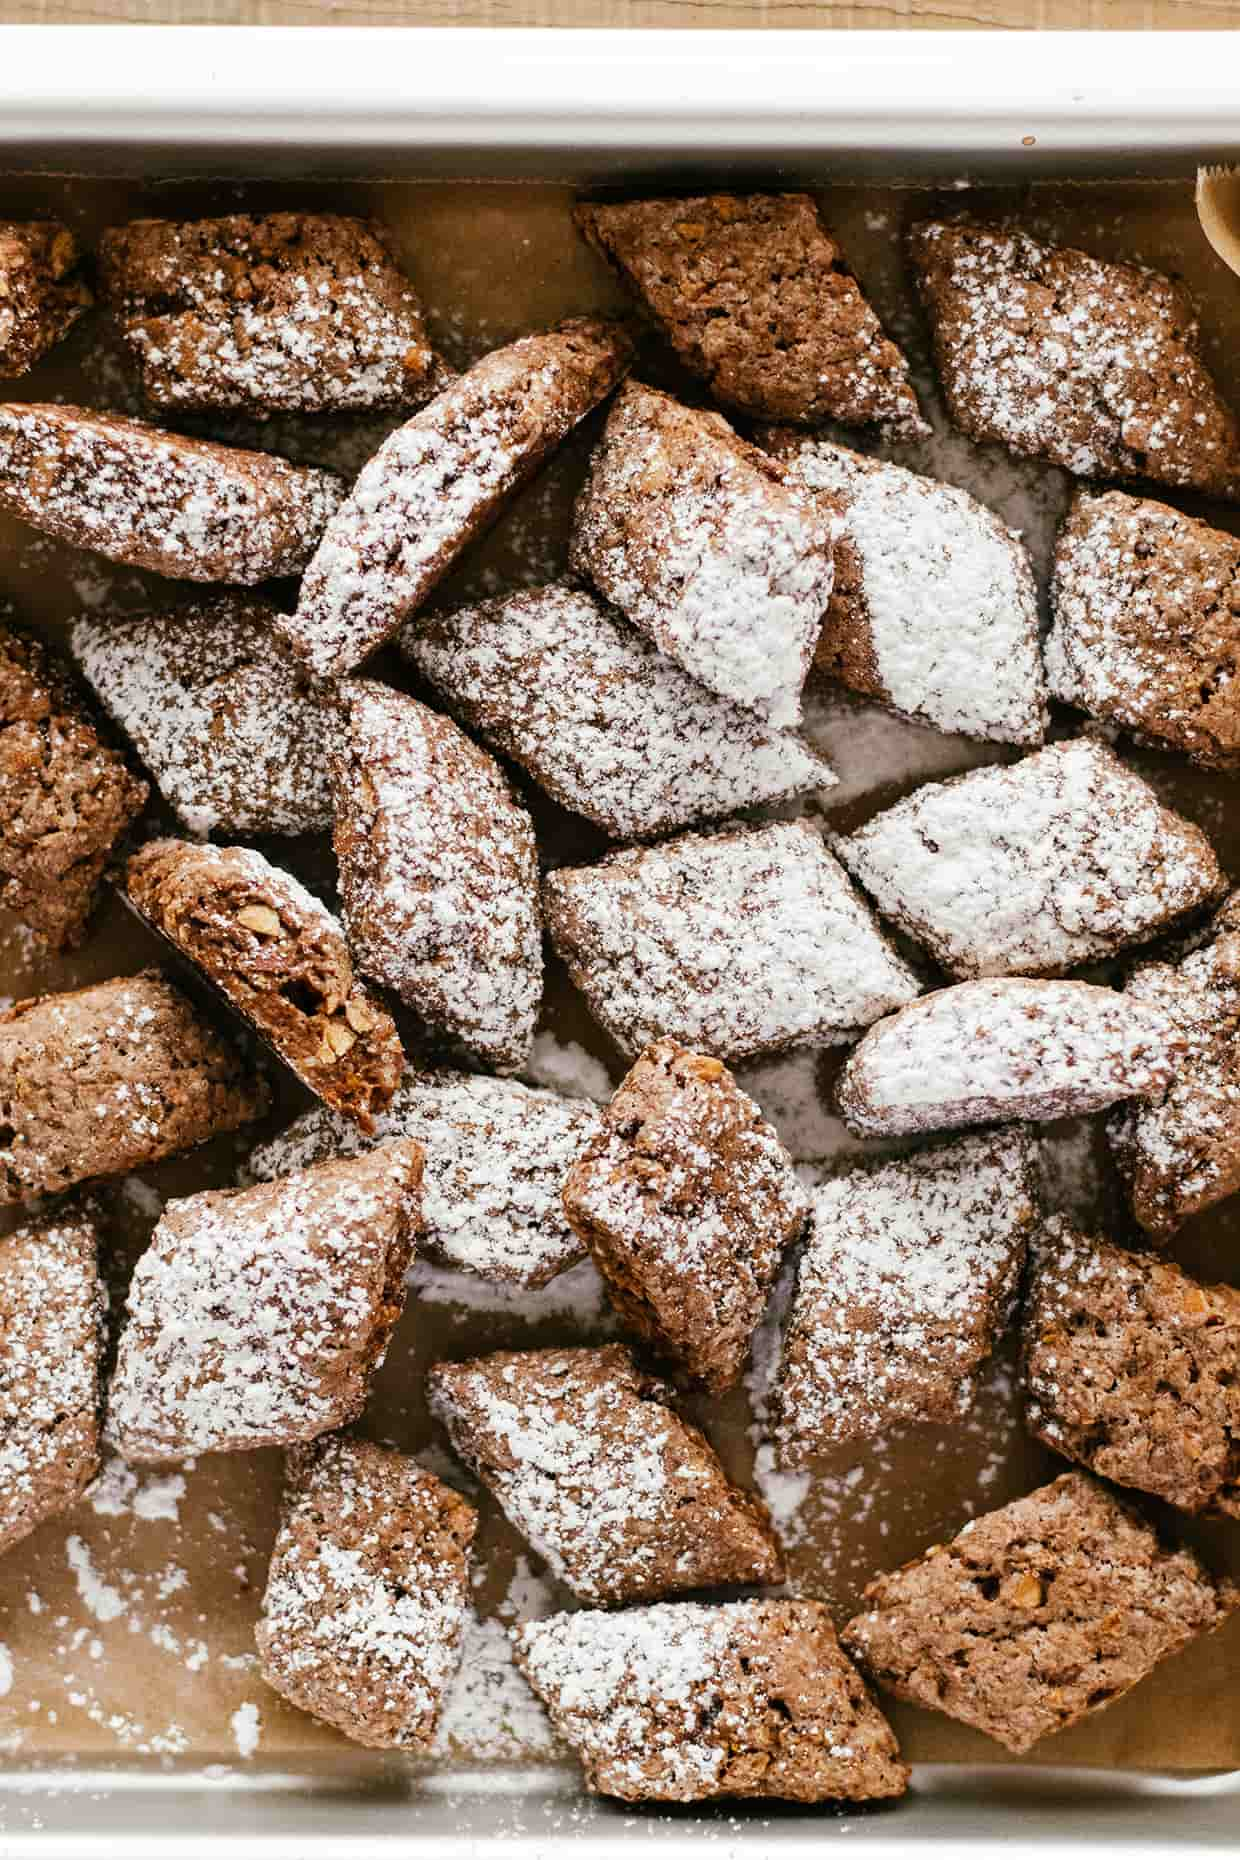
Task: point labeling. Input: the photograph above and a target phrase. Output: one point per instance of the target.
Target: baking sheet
(126, 1626)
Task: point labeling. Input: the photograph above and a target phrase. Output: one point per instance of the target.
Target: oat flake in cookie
(280, 959)
(734, 944)
(1095, 366)
(1000, 1051)
(755, 296)
(51, 1346)
(367, 1591)
(688, 1703)
(440, 480)
(180, 507)
(438, 875)
(623, 1500)
(934, 610)
(687, 1200)
(603, 722)
(1034, 868)
(284, 312)
(257, 1316)
(908, 1278)
(237, 742)
(710, 547)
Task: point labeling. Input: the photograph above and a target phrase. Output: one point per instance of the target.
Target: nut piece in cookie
(283, 312)
(280, 958)
(622, 1499)
(934, 609)
(110, 1078)
(1133, 1369)
(1037, 1614)
(367, 1591)
(1146, 625)
(602, 721)
(909, 1276)
(66, 797)
(51, 1388)
(41, 293)
(1034, 868)
(442, 479)
(733, 944)
(438, 875)
(687, 1199)
(756, 298)
(710, 547)
(181, 507)
(1095, 366)
(257, 1316)
(1010, 1050)
(496, 1154)
(237, 742)
(688, 1703)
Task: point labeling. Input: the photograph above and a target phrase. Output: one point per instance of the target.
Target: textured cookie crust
(218, 712)
(110, 1078)
(51, 1390)
(1037, 1614)
(257, 1316)
(41, 295)
(497, 1153)
(66, 797)
(624, 1500)
(1095, 366)
(1034, 868)
(688, 1703)
(1001, 1051)
(603, 722)
(734, 944)
(367, 1591)
(287, 312)
(280, 958)
(1146, 627)
(1133, 1369)
(687, 1199)
(709, 547)
(438, 875)
(440, 480)
(934, 610)
(908, 1277)
(755, 296)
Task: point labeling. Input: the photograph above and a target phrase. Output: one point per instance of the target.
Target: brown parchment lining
(126, 1627)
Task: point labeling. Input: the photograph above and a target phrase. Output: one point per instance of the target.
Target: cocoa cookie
(556, 681)
(280, 958)
(687, 1703)
(687, 1199)
(367, 1591)
(181, 507)
(1037, 1614)
(621, 1498)
(710, 547)
(993, 1052)
(1053, 353)
(1034, 868)
(734, 944)
(281, 312)
(237, 742)
(110, 1078)
(41, 294)
(257, 1316)
(66, 796)
(756, 297)
(440, 480)
(438, 875)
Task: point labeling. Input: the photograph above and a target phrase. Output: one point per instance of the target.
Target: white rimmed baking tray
(586, 107)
